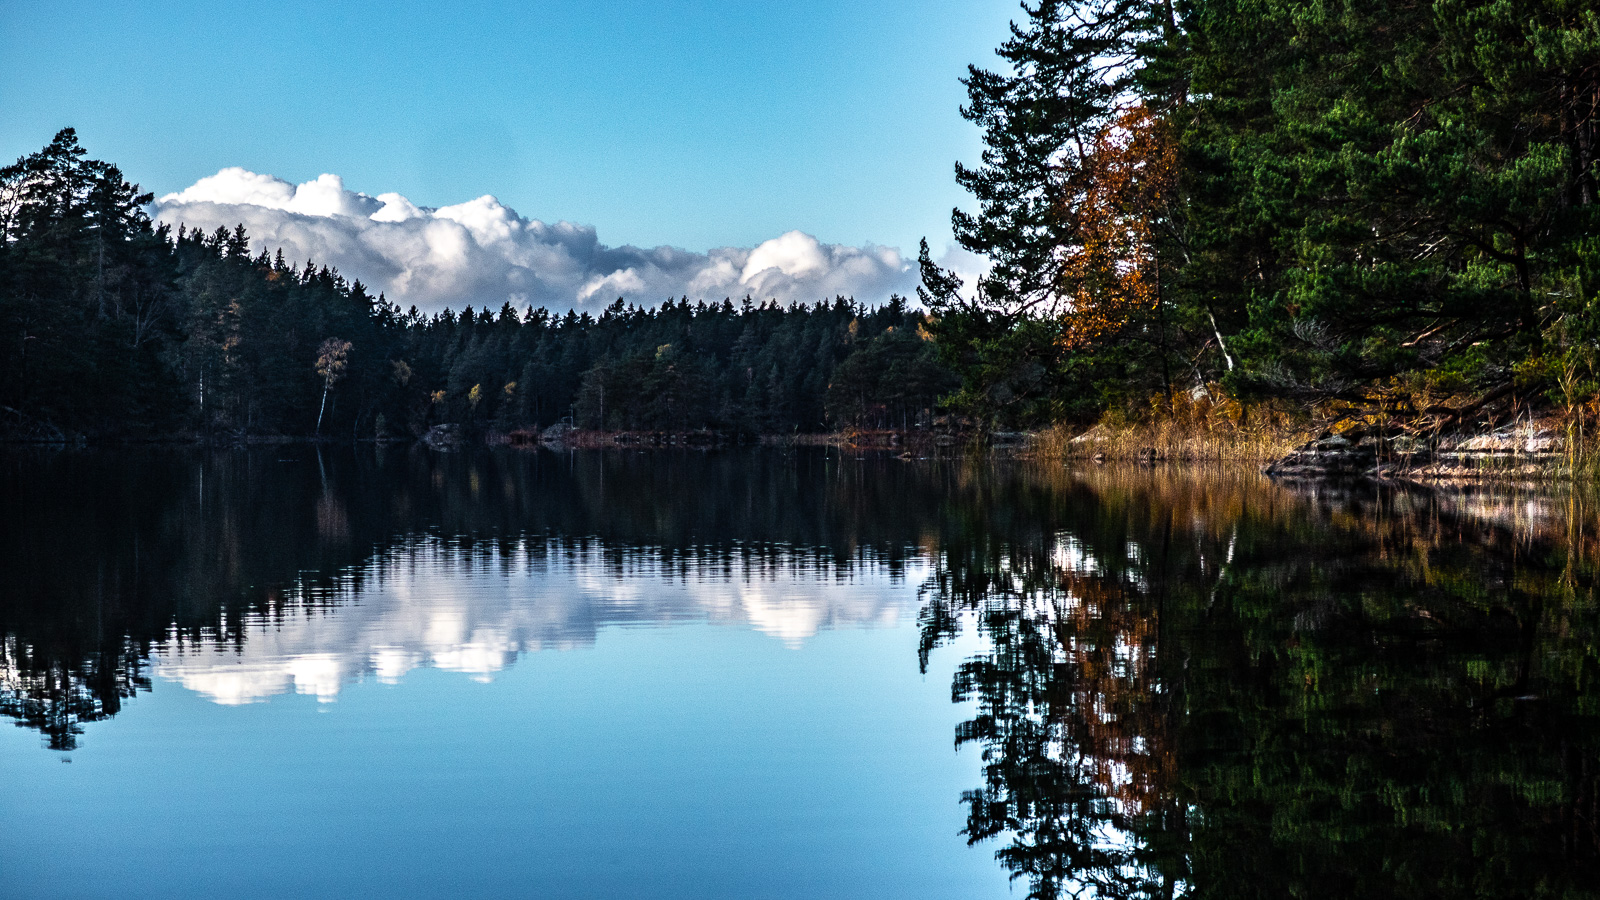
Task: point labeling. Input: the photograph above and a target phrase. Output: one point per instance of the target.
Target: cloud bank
(483, 253)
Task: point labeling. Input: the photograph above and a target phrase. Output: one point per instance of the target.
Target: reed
(1205, 426)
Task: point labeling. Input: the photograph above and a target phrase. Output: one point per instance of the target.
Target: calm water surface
(392, 673)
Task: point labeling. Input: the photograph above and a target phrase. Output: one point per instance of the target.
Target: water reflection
(1188, 684)
(1208, 686)
(426, 604)
(250, 573)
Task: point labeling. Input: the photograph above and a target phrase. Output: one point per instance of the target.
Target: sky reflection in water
(427, 605)
(489, 704)
(406, 674)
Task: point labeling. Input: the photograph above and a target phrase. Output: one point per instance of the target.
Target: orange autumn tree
(1112, 199)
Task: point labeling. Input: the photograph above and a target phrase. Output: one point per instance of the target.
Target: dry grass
(1210, 427)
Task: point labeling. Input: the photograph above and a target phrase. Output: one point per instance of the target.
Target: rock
(1406, 443)
(444, 437)
(1496, 442)
(1528, 451)
(556, 434)
(1524, 439)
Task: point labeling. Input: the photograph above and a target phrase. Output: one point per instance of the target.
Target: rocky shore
(1528, 450)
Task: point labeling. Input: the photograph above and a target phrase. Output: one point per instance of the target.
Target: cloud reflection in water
(427, 605)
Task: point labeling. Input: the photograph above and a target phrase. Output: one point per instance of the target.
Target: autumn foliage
(1112, 197)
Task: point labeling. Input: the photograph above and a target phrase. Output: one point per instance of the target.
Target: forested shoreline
(1349, 213)
(116, 327)
(1233, 217)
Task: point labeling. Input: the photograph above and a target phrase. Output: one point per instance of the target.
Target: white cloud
(795, 254)
(968, 266)
(483, 253)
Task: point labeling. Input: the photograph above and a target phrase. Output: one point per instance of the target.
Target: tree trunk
(327, 383)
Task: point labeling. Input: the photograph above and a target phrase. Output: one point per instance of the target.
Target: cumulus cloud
(483, 253)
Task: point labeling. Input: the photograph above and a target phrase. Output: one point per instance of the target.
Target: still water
(395, 673)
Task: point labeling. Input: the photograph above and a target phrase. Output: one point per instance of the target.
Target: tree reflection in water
(107, 556)
(1215, 687)
(1194, 684)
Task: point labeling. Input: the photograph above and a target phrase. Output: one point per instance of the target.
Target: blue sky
(690, 124)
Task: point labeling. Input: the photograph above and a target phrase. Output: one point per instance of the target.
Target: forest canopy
(1327, 205)
(115, 327)
(1335, 210)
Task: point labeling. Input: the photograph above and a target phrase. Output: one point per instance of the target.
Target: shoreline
(1536, 449)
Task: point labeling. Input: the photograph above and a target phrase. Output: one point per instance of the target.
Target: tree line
(1336, 209)
(1367, 206)
(118, 327)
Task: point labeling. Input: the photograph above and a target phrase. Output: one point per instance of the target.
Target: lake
(389, 672)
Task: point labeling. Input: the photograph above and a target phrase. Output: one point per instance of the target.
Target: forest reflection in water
(1191, 684)
(1214, 687)
(117, 564)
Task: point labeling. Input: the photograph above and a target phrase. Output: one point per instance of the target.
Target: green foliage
(891, 378)
(113, 328)
(1365, 190)
(1074, 69)
(89, 311)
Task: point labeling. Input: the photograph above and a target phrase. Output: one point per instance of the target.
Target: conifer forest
(118, 328)
(1329, 209)
(1211, 510)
